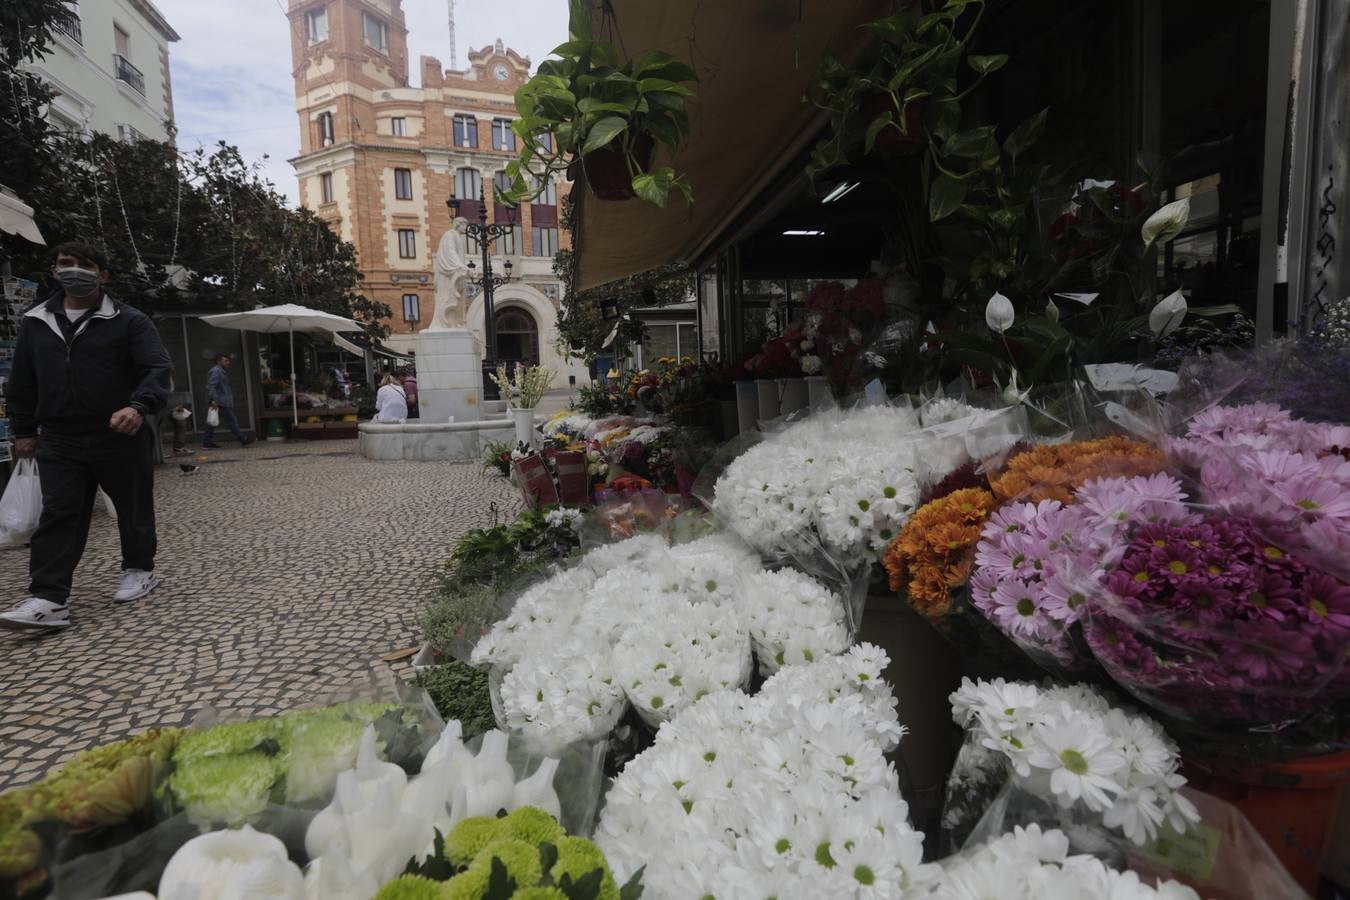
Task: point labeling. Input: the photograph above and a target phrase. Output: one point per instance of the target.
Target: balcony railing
(69, 25)
(125, 71)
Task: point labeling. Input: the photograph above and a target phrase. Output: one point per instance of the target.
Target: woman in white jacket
(391, 404)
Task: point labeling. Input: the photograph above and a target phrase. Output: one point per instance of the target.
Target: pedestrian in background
(221, 396)
(88, 371)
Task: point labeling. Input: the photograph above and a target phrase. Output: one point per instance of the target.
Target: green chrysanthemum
(229, 739)
(471, 884)
(471, 836)
(539, 893)
(411, 887)
(105, 785)
(224, 790)
(520, 858)
(577, 858)
(20, 848)
(531, 824)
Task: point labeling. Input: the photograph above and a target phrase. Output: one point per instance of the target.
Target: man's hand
(25, 447)
(126, 421)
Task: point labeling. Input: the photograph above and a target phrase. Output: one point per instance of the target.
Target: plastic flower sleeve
(1219, 855)
(1208, 620)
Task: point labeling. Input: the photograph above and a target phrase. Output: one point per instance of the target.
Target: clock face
(500, 72)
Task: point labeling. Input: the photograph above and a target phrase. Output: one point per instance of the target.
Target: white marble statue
(451, 273)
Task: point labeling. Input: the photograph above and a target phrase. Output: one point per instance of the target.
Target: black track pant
(71, 469)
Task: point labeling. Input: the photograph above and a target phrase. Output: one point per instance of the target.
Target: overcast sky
(232, 69)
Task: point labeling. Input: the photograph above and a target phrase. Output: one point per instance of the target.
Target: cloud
(232, 76)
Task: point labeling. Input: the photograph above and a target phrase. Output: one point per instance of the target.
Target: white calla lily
(1166, 223)
(999, 313)
(1166, 316)
(234, 863)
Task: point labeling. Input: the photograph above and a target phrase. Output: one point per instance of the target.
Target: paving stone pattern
(288, 569)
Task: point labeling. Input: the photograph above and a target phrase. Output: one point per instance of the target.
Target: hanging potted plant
(588, 109)
(904, 86)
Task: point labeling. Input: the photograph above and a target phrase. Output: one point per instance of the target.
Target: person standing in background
(221, 395)
(88, 372)
(410, 391)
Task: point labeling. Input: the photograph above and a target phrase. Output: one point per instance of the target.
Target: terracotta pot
(607, 169)
(890, 142)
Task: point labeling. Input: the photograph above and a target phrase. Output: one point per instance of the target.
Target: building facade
(109, 67)
(379, 159)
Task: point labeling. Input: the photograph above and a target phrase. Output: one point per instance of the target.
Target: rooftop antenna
(454, 57)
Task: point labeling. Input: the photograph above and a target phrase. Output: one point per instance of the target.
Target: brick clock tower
(380, 157)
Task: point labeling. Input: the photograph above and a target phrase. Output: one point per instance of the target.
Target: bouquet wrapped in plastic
(652, 625)
(1233, 611)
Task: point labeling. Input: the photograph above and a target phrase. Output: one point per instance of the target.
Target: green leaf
(591, 105)
(500, 885)
(972, 144)
(548, 856)
(986, 64)
(579, 20)
(649, 188)
(632, 889)
(587, 887)
(874, 128)
(1026, 134)
(1056, 353)
(945, 197)
(651, 85)
(603, 133)
(672, 70)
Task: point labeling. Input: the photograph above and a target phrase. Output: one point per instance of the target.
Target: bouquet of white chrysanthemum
(786, 793)
(1031, 863)
(1068, 746)
(793, 619)
(838, 485)
(683, 654)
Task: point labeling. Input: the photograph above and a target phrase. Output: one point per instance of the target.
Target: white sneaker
(135, 585)
(35, 613)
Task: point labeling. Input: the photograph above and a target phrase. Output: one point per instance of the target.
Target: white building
(109, 66)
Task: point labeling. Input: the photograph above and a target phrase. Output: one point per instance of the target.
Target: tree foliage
(200, 227)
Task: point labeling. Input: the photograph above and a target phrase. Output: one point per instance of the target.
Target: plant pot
(766, 392)
(792, 395)
(607, 168)
(730, 418)
(889, 141)
(523, 419)
(747, 406)
(817, 391)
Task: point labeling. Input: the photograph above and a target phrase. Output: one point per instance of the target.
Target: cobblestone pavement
(288, 569)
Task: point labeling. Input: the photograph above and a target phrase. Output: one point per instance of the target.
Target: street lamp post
(486, 234)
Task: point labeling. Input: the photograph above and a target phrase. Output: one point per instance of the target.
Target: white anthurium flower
(1011, 395)
(1166, 316)
(1051, 310)
(234, 863)
(999, 313)
(1166, 223)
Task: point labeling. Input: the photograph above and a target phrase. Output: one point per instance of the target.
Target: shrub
(460, 692)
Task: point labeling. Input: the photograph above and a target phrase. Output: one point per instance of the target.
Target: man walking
(221, 395)
(87, 373)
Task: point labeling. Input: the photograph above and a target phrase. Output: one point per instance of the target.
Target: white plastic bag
(21, 505)
(212, 417)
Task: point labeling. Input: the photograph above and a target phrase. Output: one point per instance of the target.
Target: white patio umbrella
(290, 318)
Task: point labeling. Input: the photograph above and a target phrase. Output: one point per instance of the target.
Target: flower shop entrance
(517, 337)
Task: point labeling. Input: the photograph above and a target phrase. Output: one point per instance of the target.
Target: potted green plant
(904, 85)
(588, 108)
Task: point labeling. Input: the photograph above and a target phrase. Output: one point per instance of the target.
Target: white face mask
(78, 282)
